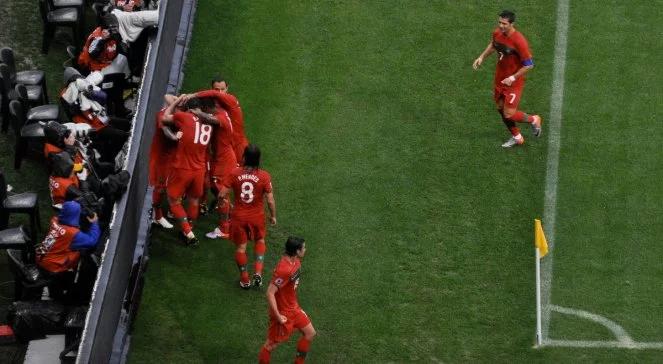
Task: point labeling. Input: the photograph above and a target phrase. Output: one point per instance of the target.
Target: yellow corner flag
(540, 238)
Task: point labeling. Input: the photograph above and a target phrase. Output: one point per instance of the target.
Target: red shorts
(510, 95)
(206, 182)
(159, 171)
(184, 181)
(278, 333)
(247, 228)
(219, 172)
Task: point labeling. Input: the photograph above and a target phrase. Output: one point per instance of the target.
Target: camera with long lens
(90, 205)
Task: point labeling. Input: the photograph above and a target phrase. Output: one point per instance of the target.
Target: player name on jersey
(252, 177)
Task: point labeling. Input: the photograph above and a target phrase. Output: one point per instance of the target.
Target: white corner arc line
(554, 131)
(624, 340)
(620, 334)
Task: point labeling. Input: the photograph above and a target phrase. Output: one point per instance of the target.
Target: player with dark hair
(230, 103)
(285, 315)
(189, 163)
(222, 162)
(162, 149)
(250, 186)
(513, 62)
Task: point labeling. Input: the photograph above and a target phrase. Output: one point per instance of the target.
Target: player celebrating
(250, 186)
(285, 315)
(229, 102)
(164, 144)
(189, 162)
(513, 62)
(222, 163)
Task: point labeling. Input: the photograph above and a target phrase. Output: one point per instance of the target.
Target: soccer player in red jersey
(223, 161)
(513, 62)
(285, 315)
(229, 102)
(251, 186)
(162, 149)
(188, 164)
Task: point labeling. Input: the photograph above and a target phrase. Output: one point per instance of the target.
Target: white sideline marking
(603, 344)
(554, 127)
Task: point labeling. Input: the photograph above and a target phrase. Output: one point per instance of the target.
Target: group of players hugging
(199, 145)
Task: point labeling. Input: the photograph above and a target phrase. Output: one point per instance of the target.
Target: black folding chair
(43, 113)
(5, 91)
(34, 80)
(53, 18)
(20, 203)
(29, 282)
(24, 132)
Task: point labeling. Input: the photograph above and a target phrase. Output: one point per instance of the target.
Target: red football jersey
(231, 104)
(223, 137)
(511, 50)
(191, 152)
(161, 150)
(286, 278)
(249, 187)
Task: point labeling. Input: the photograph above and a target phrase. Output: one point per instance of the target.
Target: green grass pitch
(384, 148)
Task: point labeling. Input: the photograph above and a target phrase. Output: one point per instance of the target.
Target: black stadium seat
(53, 18)
(25, 133)
(38, 113)
(34, 80)
(21, 203)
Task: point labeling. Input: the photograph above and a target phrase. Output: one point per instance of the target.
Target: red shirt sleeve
(268, 183)
(523, 48)
(495, 33)
(280, 277)
(159, 118)
(220, 97)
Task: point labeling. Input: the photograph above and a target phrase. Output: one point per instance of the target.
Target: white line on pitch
(603, 344)
(624, 340)
(553, 130)
(620, 334)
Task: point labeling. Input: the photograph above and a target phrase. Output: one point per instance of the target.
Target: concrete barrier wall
(117, 290)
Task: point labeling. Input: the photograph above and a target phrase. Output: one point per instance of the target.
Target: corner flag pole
(539, 334)
(540, 251)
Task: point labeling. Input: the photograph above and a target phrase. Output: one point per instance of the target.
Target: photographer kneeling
(60, 252)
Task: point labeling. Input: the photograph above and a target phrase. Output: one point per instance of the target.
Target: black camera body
(90, 204)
